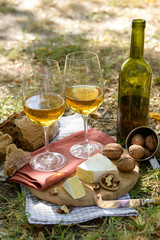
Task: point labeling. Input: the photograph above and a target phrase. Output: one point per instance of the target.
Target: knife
(125, 203)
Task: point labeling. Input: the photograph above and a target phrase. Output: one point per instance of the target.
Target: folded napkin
(43, 180)
(42, 212)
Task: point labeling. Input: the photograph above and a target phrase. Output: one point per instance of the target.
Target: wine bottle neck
(137, 39)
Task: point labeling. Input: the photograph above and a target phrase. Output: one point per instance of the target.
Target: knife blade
(125, 203)
(154, 163)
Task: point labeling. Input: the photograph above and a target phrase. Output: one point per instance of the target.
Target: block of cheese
(74, 187)
(92, 169)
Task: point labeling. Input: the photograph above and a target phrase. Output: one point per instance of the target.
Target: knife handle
(155, 201)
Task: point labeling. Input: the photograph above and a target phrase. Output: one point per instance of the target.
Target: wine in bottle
(134, 85)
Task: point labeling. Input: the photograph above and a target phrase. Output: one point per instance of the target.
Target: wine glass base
(48, 162)
(86, 149)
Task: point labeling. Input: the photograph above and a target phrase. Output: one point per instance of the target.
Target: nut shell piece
(113, 151)
(109, 182)
(138, 139)
(126, 164)
(151, 142)
(136, 151)
(95, 115)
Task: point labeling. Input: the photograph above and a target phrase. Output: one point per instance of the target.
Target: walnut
(126, 164)
(64, 209)
(136, 151)
(147, 152)
(53, 192)
(113, 151)
(151, 142)
(137, 139)
(96, 187)
(158, 150)
(109, 182)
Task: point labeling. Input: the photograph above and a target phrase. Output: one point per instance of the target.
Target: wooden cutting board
(127, 182)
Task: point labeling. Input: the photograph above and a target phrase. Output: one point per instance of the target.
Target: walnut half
(64, 209)
(109, 182)
(53, 192)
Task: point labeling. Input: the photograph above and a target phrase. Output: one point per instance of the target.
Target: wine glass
(44, 104)
(84, 94)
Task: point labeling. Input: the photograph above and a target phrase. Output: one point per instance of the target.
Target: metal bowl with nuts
(142, 143)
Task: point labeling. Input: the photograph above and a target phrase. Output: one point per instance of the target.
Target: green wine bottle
(134, 85)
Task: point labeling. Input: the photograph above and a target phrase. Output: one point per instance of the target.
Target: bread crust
(26, 134)
(15, 159)
(5, 140)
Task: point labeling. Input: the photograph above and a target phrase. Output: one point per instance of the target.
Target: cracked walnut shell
(109, 182)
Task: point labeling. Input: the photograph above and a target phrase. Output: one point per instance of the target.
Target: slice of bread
(26, 134)
(5, 140)
(15, 159)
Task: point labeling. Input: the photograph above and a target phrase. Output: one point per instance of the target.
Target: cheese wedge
(74, 187)
(92, 169)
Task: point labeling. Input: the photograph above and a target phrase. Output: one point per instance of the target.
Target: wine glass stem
(46, 138)
(85, 119)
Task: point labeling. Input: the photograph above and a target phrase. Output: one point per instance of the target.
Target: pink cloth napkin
(42, 180)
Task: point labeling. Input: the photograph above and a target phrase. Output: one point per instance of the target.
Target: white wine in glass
(44, 104)
(84, 94)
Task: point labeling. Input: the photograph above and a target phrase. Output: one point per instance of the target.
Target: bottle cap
(138, 23)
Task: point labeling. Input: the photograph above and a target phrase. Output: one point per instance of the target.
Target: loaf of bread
(26, 134)
(15, 159)
(5, 140)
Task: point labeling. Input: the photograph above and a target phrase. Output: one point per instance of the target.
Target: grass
(14, 224)
(10, 105)
(133, 3)
(112, 51)
(6, 6)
